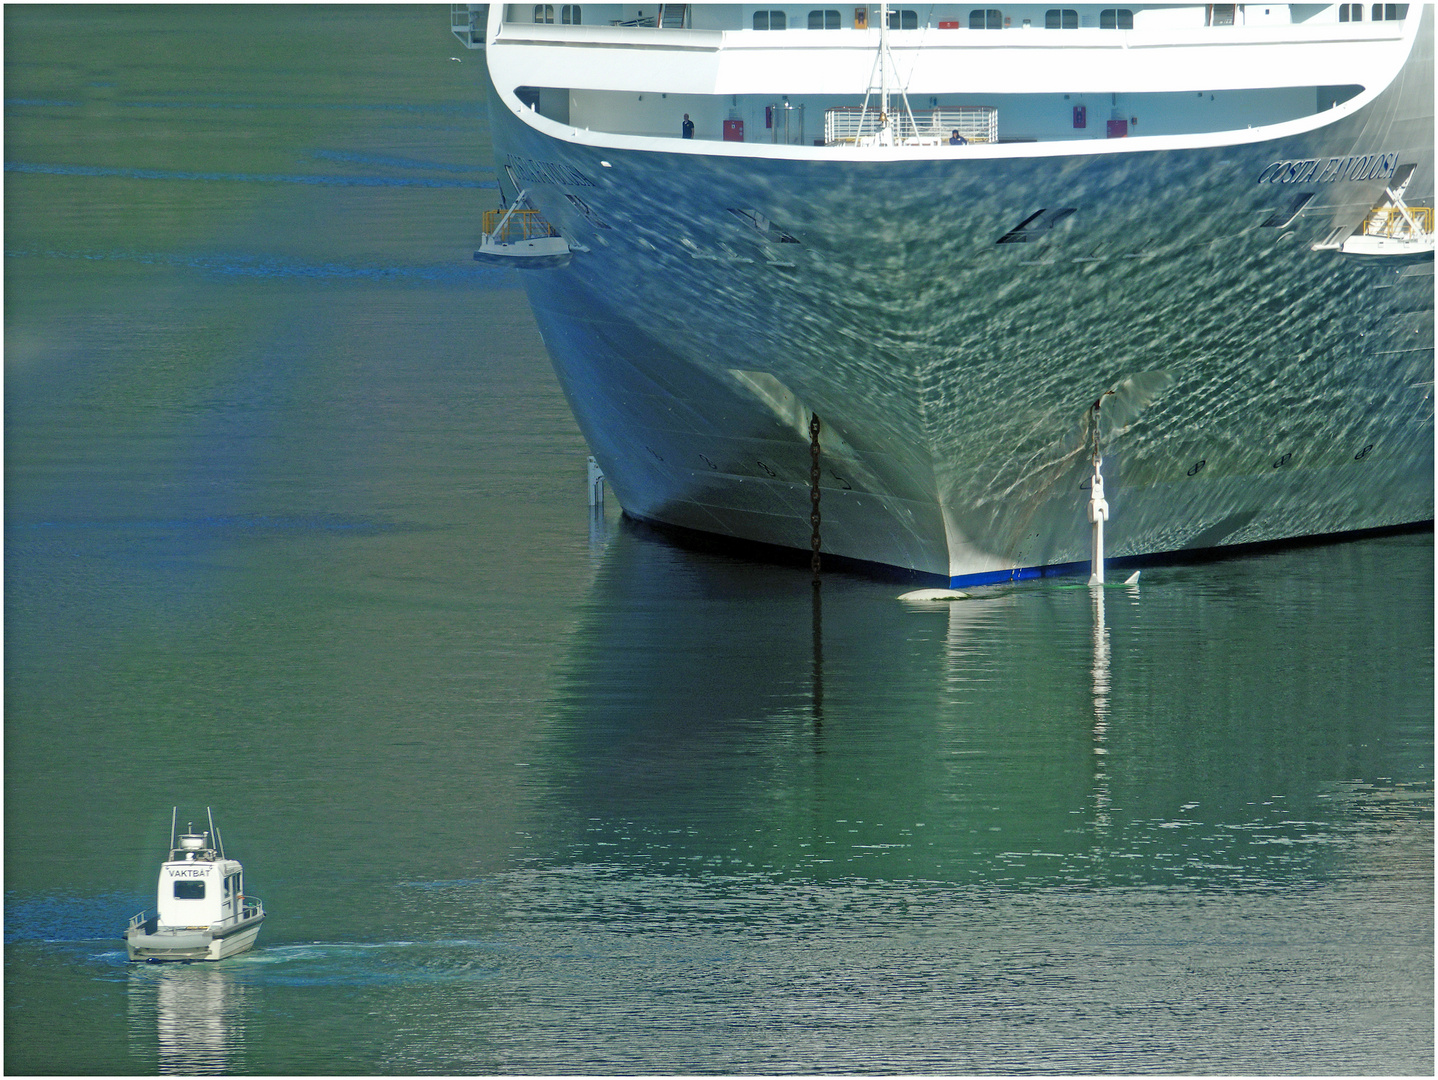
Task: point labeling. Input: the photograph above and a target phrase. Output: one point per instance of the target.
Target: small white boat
(520, 237)
(202, 911)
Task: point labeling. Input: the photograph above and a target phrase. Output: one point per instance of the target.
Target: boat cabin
(198, 886)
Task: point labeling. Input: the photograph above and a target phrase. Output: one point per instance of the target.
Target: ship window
(1115, 19)
(769, 20)
(569, 14)
(1350, 12)
(544, 13)
(824, 20)
(189, 890)
(1389, 12)
(986, 19)
(1221, 14)
(903, 20)
(1061, 19)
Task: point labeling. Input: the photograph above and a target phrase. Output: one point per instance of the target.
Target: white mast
(884, 122)
(885, 134)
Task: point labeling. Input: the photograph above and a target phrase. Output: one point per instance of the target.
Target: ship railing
(141, 919)
(251, 905)
(468, 24)
(1390, 221)
(668, 17)
(976, 123)
(522, 225)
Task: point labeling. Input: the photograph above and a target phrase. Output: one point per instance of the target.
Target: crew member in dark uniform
(688, 127)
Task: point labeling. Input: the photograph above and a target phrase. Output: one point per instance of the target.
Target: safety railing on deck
(976, 123)
(467, 25)
(522, 225)
(1390, 221)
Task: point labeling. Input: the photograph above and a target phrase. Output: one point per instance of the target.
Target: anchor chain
(814, 491)
(1098, 505)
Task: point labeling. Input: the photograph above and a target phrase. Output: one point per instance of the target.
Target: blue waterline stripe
(246, 178)
(269, 267)
(1024, 573)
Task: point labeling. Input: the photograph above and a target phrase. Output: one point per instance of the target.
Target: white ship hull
(1276, 386)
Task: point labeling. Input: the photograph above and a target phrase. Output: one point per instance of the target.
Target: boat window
(903, 20)
(986, 19)
(1350, 12)
(1115, 19)
(824, 20)
(1061, 19)
(569, 14)
(544, 13)
(1389, 12)
(189, 890)
(769, 20)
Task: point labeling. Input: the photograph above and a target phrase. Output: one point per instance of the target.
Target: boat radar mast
(884, 132)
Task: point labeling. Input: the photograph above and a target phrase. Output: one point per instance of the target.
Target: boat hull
(952, 320)
(543, 253)
(152, 942)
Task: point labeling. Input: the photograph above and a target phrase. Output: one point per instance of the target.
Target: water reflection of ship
(1022, 734)
(194, 1014)
(702, 687)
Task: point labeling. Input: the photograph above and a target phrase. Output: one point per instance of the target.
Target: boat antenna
(219, 841)
(173, 811)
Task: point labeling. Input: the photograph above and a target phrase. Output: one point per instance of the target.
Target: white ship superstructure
(948, 231)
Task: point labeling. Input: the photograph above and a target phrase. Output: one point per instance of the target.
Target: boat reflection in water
(1040, 733)
(193, 1014)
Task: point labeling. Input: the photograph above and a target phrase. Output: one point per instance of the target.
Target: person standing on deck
(688, 127)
